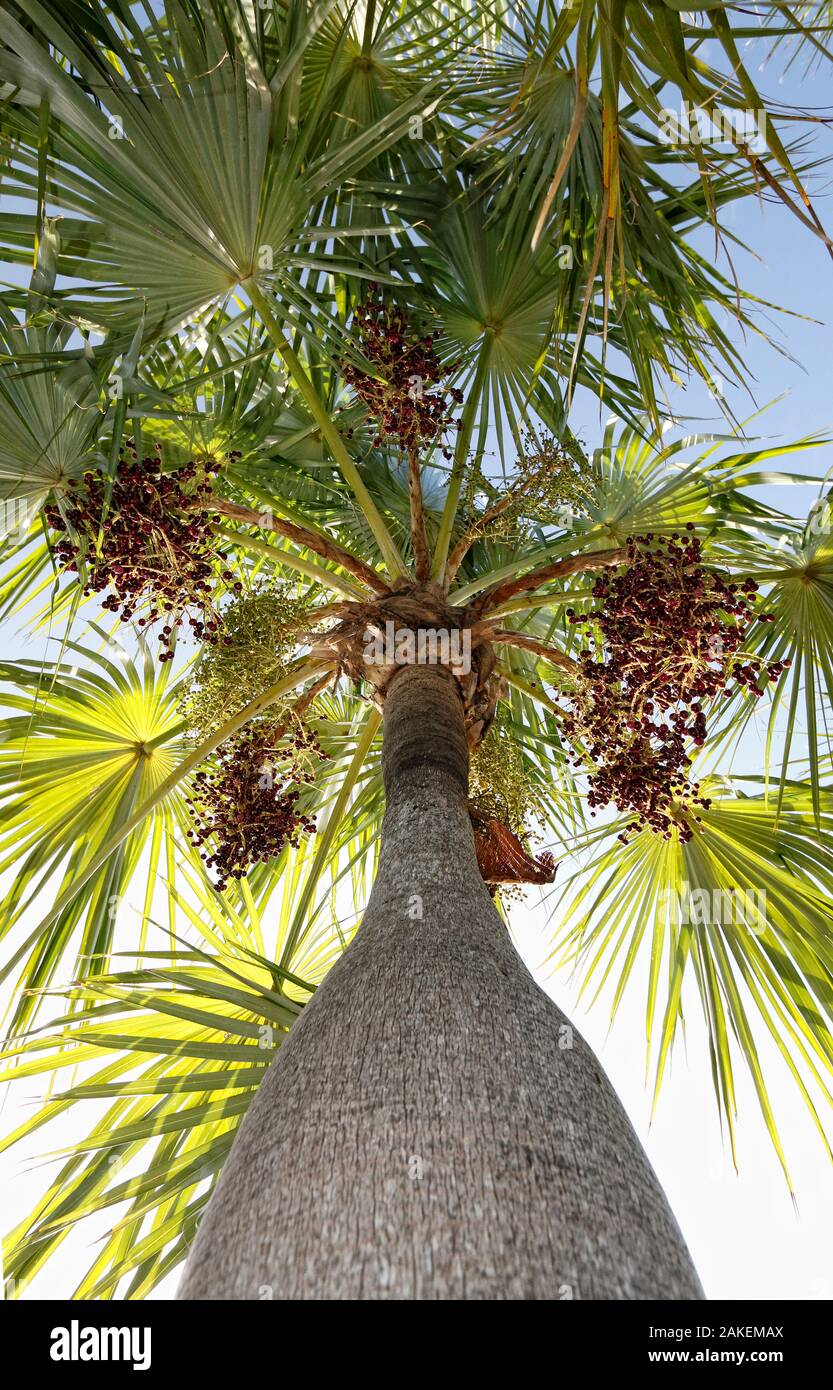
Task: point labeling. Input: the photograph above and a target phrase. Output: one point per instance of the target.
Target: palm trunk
(433, 1127)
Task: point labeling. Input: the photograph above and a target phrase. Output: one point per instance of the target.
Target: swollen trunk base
(433, 1127)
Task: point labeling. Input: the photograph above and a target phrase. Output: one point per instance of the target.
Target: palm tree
(313, 289)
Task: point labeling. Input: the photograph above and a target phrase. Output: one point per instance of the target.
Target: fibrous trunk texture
(433, 1127)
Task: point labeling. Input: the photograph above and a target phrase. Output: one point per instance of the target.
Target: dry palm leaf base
(502, 859)
(416, 625)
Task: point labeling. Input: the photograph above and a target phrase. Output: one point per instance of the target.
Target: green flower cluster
(258, 641)
(499, 785)
(548, 488)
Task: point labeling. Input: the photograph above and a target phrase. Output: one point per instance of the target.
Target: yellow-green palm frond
(739, 919)
(86, 741)
(177, 1045)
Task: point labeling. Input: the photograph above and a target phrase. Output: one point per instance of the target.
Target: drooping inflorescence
(244, 806)
(550, 484)
(499, 784)
(397, 394)
(547, 488)
(668, 638)
(506, 813)
(149, 543)
(258, 638)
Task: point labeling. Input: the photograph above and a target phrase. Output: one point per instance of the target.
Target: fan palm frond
(740, 918)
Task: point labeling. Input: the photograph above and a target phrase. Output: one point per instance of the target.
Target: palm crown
(313, 288)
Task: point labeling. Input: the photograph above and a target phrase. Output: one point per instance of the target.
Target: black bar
(56, 1340)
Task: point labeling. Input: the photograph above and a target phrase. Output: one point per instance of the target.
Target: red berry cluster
(671, 631)
(152, 545)
(398, 398)
(246, 804)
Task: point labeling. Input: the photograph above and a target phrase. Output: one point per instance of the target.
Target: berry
(244, 807)
(670, 633)
(396, 394)
(152, 544)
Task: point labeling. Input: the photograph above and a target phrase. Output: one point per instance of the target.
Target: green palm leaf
(82, 746)
(740, 918)
(193, 1040)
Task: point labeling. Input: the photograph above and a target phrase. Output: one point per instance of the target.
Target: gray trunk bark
(433, 1127)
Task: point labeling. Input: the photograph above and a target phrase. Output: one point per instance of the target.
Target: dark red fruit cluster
(398, 397)
(671, 631)
(246, 804)
(152, 546)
